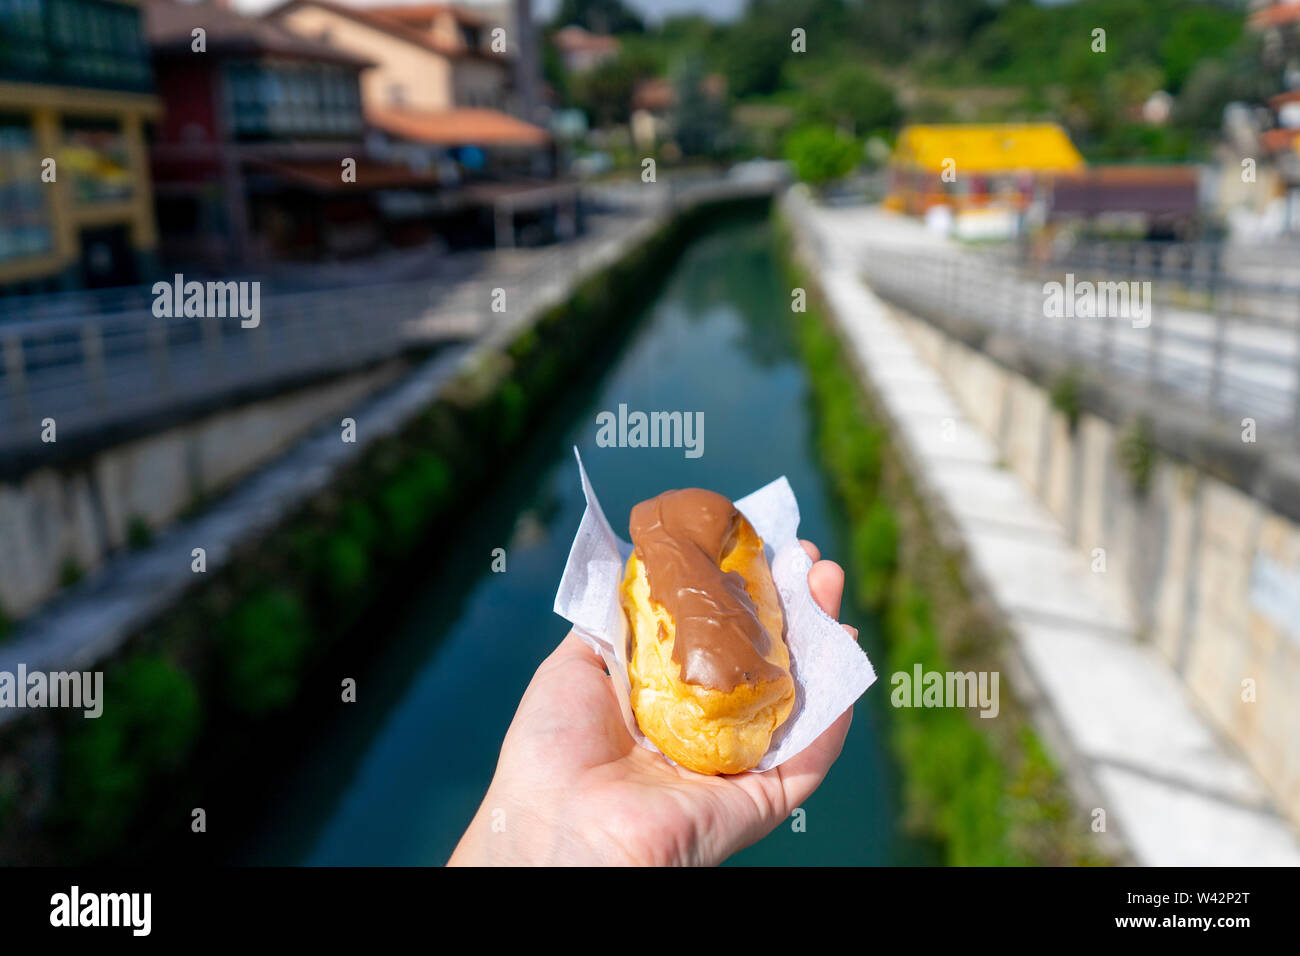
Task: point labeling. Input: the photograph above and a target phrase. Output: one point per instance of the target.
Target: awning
(458, 127)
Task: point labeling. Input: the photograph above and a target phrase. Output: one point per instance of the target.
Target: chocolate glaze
(680, 537)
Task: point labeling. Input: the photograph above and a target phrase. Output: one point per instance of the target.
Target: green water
(394, 778)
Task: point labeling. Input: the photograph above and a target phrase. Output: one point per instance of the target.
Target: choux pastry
(709, 667)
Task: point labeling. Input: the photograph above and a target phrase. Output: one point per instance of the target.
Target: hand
(573, 788)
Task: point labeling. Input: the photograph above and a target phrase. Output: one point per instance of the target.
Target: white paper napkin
(830, 670)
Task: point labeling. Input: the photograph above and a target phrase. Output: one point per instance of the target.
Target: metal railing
(1254, 281)
(97, 360)
(1228, 363)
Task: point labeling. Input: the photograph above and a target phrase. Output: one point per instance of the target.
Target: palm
(569, 748)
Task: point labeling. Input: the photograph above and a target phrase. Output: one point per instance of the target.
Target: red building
(260, 152)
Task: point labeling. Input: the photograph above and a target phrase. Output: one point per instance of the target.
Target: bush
(955, 780)
(1065, 398)
(70, 573)
(1137, 455)
(150, 721)
(346, 563)
(138, 533)
(512, 409)
(412, 498)
(875, 548)
(821, 154)
(263, 644)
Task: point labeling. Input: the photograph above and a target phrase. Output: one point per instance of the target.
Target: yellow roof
(988, 148)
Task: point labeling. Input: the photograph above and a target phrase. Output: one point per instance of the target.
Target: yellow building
(75, 94)
(976, 166)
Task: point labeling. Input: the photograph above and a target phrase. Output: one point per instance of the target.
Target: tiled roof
(425, 12)
(1279, 14)
(458, 127)
(1279, 140)
(576, 39)
(169, 28)
(379, 21)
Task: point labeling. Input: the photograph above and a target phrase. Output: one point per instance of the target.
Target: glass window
(25, 228)
(94, 155)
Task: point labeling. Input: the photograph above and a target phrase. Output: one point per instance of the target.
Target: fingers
(826, 582)
(574, 648)
(813, 551)
(804, 772)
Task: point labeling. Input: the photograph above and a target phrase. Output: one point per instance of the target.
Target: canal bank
(239, 651)
(1150, 775)
(397, 778)
(986, 791)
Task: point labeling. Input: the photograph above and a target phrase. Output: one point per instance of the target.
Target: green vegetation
(971, 61)
(821, 154)
(989, 794)
(263, 644)
(70, 573)
(150, 722)
(138, 533)
(1137, 454)
(1065, 397)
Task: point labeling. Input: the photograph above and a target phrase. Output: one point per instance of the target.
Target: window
(94, 155)
(94, 43)
(293, 99)
(25, 228)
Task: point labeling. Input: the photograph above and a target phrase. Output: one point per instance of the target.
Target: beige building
(427, 57)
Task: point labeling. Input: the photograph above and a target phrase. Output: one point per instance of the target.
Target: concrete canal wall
(1138, 560)
(1210, 571)
(61, 522)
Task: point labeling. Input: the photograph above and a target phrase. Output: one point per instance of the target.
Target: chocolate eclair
(709, 668)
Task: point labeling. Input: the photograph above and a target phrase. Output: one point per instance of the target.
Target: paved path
(1133, 739)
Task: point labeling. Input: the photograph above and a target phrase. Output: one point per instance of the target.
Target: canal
(395, 777)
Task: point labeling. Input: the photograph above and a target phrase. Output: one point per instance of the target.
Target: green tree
(821, 154)
(599, 16)
(1196, 35)
(854, 99)
(699, 119)
(604, 92)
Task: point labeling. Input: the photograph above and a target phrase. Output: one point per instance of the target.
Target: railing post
(1154, 344)
(1216, 368)
(92, 353)
(1295, 413)
(16, 377)
(210, 330)
(160, 355)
